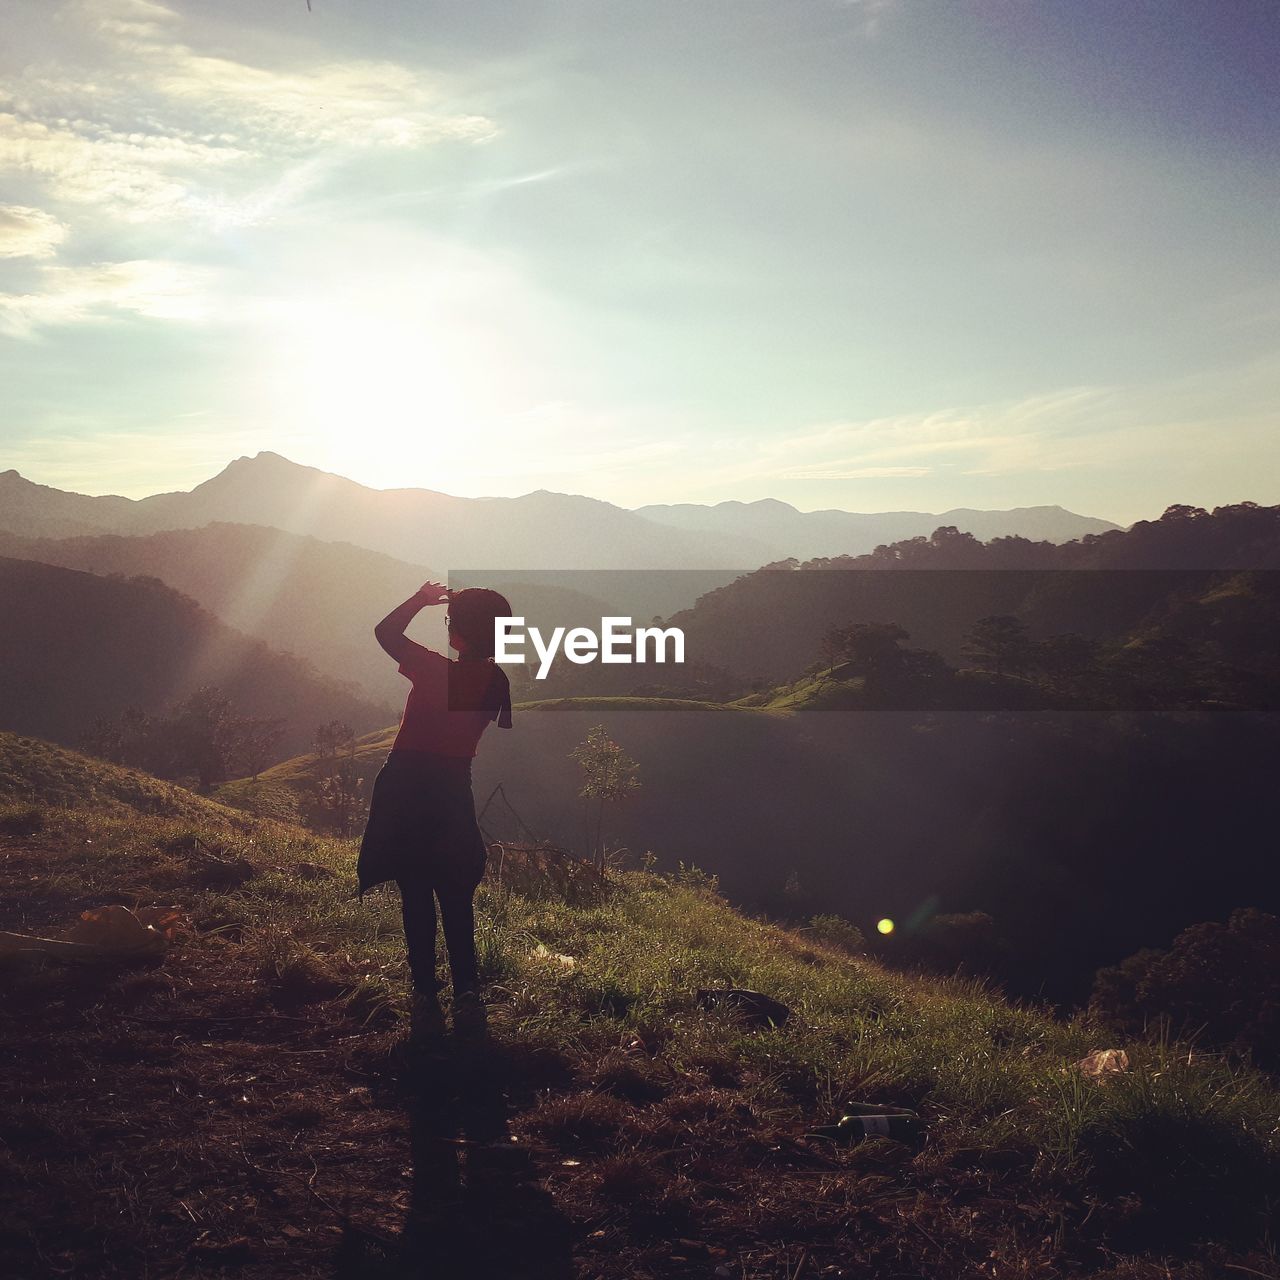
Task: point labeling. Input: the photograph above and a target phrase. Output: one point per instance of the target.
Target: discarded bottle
(754, 1006)
(900, 1126)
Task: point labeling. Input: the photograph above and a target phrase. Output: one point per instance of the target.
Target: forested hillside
(317, 599)
(771, 624)
(76, 649)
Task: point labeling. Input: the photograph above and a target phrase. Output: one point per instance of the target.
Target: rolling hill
(771, 623)
(245, 1102)
(1098, 821)
(317, 599)
(321, 599)
(75, 647)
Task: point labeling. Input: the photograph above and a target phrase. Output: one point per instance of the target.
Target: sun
(355, 378)
(398, 372)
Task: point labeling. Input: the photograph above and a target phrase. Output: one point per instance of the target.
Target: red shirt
(451, 702)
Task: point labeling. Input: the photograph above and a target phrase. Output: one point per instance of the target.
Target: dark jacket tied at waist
(422, 823)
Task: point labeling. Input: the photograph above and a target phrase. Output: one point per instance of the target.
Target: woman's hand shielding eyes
(433, 593)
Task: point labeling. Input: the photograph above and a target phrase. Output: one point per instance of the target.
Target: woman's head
(471, 616)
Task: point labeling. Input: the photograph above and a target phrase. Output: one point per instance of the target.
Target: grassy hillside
(1098, 823)
(541, 781)
(246, 1105)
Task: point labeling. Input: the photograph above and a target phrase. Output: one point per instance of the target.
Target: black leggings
(418, 903)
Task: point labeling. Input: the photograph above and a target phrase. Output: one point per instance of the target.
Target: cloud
(158, 130)
(156, 289)
(134, 177)
(1049, 432)
(870, 11)
(28, 233)
(155, 132)
(1085, 445)
(853, 473)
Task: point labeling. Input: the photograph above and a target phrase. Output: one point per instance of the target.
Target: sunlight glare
(391, 372)
(370, 377)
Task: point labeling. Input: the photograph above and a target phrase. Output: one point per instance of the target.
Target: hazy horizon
(870, 255)
(90, 491)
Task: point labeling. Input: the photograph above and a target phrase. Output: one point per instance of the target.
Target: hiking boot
(426, 1019)
(469, 1016)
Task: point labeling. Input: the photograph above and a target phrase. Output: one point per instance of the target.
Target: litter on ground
(102, 935)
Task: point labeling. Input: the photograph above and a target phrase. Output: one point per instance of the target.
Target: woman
(422, 829)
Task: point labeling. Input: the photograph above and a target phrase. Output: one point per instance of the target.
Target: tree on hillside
(873, 651)
(201, 737)
(204, 735)
(1158, 671)
(333, 740)
(608, 776)
(872, 648)
(338, 786)
(340, 797)
(954, 549)
(1068, 664)
(258, 742)
(124, 739)
(1001, 644)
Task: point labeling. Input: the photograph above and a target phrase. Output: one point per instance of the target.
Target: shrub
(1175, 1145)
(948, 943)
(1220, 982)
(691, 877)
(836, 931)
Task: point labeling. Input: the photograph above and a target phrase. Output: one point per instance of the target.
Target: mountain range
(540, 530)
(306, 561)
(808, 534)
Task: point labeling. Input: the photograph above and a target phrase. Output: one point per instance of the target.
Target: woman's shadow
(475, 1207)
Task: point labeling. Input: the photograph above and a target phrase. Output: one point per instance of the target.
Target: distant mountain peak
(15, 479)
(760, 504)
(268, 469)
(263, 460)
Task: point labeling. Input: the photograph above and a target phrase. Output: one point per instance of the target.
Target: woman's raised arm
(389, 633)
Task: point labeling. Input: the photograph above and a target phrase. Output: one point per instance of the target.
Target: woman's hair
(471, 615)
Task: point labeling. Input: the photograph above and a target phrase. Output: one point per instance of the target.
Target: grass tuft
(18, 819)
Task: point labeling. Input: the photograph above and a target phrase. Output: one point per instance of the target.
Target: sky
(868, 254)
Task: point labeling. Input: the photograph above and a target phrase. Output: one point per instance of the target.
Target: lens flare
(885, 925)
